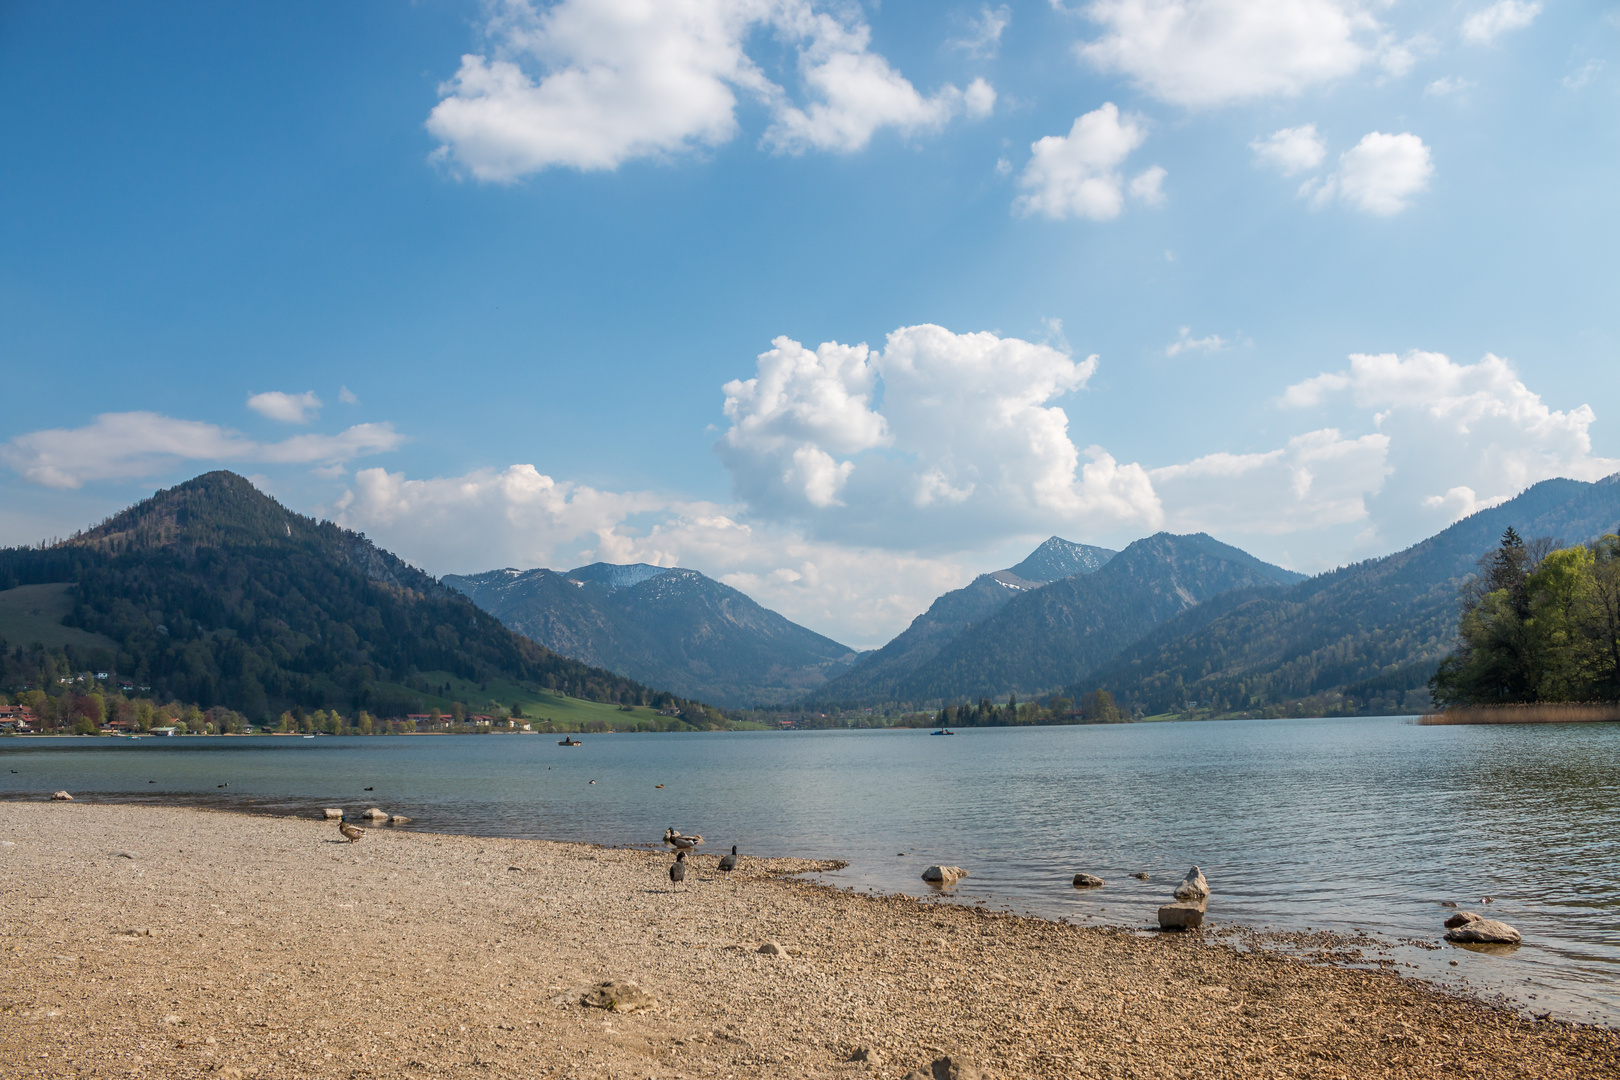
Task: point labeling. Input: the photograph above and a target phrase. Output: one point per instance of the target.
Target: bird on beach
(677, 871)
(350, 832)
(728, 863)
(680, 843)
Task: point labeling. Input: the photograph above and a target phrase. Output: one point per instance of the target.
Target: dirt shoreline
(243, 945)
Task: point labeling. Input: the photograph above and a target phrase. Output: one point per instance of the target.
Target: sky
(841, 303)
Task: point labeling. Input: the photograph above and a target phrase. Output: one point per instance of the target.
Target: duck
(350, 833)
(728, 863)
(681, 843)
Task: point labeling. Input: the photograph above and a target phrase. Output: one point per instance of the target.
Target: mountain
(1364, 638)
(877, 676)
(213, 593)
(1046, 638)
(667, 626)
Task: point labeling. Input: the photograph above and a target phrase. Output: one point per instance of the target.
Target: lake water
(1347, 824)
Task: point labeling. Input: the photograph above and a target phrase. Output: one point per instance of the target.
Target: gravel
(240, 946)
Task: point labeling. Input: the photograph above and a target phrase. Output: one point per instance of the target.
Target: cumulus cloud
(287, 408)
(522, 517)
(1462, 436)
(1078, 174)
(1379, 175)
(1487, 24)
(1291, 150)
(1202, 53)
(123, 445)
(591, 84)
(965, 439)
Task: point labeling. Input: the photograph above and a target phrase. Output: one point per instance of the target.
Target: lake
(1341, 824)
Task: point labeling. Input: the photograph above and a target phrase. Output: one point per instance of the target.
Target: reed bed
(1557, 712)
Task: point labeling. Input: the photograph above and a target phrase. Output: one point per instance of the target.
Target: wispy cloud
(287, 408)
(983, 38)
(118, 446)
(1187, 343)
(1487, 24)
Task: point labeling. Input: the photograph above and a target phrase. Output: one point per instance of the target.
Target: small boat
(309, 736)
(569, 742)
(942, 731)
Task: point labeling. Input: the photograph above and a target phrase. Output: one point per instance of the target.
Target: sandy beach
(142, 941)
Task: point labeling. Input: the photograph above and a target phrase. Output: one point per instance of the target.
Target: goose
(350, 832)
(677, 872)
(728, 863)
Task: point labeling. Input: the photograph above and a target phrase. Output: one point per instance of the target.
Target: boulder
(333, 813)
(398, 819)
(943, 875)
(61, 796)
(1140, 876)
(1182, 915)
(375, 814)
(1193, 886)
(1477, 931)
(1462, 918)
(1088, 881)
(771, 948)
(618, 997)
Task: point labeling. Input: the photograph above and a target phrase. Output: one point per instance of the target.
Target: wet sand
(234, 946)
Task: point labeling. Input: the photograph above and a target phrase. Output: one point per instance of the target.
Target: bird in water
(728, 863)
(350, 832)
(680, 843)
(677, 872)
(371, 789)
(224, 785)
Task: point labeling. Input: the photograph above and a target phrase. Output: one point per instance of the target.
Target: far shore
(174, 942)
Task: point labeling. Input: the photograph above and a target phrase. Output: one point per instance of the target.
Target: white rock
(943, 875)
(333, 813)
(61, 796)
(375, 814)
(1193, 886)
(398, 819)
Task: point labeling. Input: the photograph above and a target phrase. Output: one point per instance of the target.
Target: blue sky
(536, 284)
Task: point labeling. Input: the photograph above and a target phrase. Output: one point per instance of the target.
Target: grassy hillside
(33, 614)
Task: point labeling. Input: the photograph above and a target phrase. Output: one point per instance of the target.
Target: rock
(1479, 931)
(943, 875)
(398, 819)
(173, 1019)
(1193, 886)
(1462, 918)
(375, 814)
(332, 813)
(865, 1055)
(1088, 881)
(124, 855)
(1182, 915)
(139, 931)
(61, 796)
(1140, 876)
(771, 948)
(618, 997)
(948, 1067)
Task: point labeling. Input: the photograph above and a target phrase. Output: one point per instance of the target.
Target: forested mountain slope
(878, 676)
(214, 593)
(1364, 638)
(671, 627)
(1043, 639)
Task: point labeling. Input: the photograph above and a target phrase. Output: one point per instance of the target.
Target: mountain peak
(1058, 558)
(616, 575)
(216, 509)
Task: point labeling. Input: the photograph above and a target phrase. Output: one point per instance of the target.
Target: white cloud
(965, 440)
(1458, 426)
(287, 408)
(1447, 85)
(1487, 24)
(1582, 75)
(1379, 175)
(1187, 343)
(591, 84)
(983, 38)
(123, 445)
(1202, 53)
(347, 396)
(1291, 150)
(1078, 174)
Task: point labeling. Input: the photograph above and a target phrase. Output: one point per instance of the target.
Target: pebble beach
(176, 942)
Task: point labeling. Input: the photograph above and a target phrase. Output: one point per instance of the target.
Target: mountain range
(213, 593)
(665, 626)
